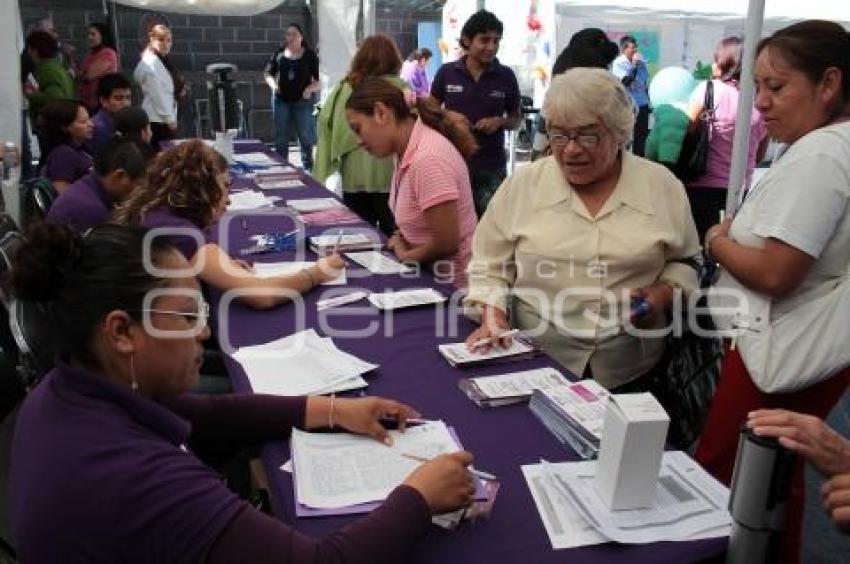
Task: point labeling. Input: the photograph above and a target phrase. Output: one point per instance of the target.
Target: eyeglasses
(200, 317)
(586, 140)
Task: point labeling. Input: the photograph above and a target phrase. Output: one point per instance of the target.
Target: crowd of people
(560, 246)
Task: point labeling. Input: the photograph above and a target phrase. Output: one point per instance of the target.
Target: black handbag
(693, 158)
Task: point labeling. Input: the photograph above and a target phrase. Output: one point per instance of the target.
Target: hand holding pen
(494, 331)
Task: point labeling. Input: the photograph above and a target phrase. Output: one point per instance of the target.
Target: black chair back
(37, 196)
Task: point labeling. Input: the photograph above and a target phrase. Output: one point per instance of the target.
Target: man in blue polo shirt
(486, 94)
(89, 201)
(113, 94)
(631, 69)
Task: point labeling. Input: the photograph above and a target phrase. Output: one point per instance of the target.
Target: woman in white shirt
(789, 239)
(161, 85)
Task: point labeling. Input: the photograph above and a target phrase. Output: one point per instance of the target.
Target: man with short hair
(486, 95)
(113, 94)
(631, 69)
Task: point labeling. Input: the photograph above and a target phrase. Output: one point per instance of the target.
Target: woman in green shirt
(365, 179)
(53, 82)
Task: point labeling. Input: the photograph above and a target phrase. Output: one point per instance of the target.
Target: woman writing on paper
(788, 248)
(142, 450)
(186, 191)
(430, 195)
(592, 243)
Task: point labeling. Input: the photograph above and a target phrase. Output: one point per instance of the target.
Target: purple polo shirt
(68, 163)
(103, 130)
(85, 204)
(166, 218)
(495, 94)
(102, 474)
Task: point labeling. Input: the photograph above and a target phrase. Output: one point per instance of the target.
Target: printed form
(341, 469)
(689, 504)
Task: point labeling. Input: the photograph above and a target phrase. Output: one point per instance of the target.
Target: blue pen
(640, 308)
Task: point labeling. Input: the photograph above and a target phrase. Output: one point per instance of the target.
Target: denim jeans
(299, 114)
(484, 185)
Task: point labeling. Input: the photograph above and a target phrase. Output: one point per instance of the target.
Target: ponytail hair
(371, 90)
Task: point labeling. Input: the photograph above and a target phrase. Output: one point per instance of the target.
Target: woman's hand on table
(494, 323)
(444, 482)
(328, 268)
(365, 416)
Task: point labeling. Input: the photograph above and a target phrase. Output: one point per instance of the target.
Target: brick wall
(199, 40)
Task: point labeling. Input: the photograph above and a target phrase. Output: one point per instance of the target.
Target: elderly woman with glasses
(589, 246)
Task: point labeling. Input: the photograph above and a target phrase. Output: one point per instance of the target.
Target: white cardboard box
(630, 454)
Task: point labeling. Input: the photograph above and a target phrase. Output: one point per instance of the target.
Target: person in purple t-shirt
(485, 95)
(114, 461)
(186, 192)
(414, 73)
(66, 128)
(113, 94)
(88, 202)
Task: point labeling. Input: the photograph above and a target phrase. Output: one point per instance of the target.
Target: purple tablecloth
(404, 344)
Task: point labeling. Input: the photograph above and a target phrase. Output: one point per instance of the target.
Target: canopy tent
(212, 7)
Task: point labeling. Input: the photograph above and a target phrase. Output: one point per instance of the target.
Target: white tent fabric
(212, 7)
(337, 39)
(11, 44)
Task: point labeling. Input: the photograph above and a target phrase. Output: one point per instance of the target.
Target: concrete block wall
(247, 41)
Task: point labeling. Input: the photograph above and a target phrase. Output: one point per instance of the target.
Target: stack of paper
(248, 200)
(335, 216)
(301, 364)
(254, 159)
(324, 244)
(507, 389)
(378, 263)
(270, 269)
(457, 354)
(306, 205)
(281, 183)
(574, 413)
(406, 298)
(689, 504)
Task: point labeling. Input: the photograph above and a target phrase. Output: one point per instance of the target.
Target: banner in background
(528, 42)
(455, 14)
(11, 44)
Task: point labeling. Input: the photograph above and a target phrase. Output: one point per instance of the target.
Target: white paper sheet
(406, 298)
(521, 383)
(248, 200)
(254, 159)
(341, 469)
(280, 184)
(378, 263)
(270, 269)
(313, 204)
(689, 505)
(301, 364)
(328, 242)
(337, 301)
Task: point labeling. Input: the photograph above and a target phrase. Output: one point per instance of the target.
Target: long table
(404, 344)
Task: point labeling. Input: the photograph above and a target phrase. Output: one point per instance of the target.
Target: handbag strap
(708, 102)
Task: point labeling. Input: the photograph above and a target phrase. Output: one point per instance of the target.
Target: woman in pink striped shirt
(430, 195)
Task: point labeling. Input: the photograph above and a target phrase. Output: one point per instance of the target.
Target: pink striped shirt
(433, 172)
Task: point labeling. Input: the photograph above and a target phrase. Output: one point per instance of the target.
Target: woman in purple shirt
(110, 453)
(187, 192)
(66, 129)
(414, 73)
